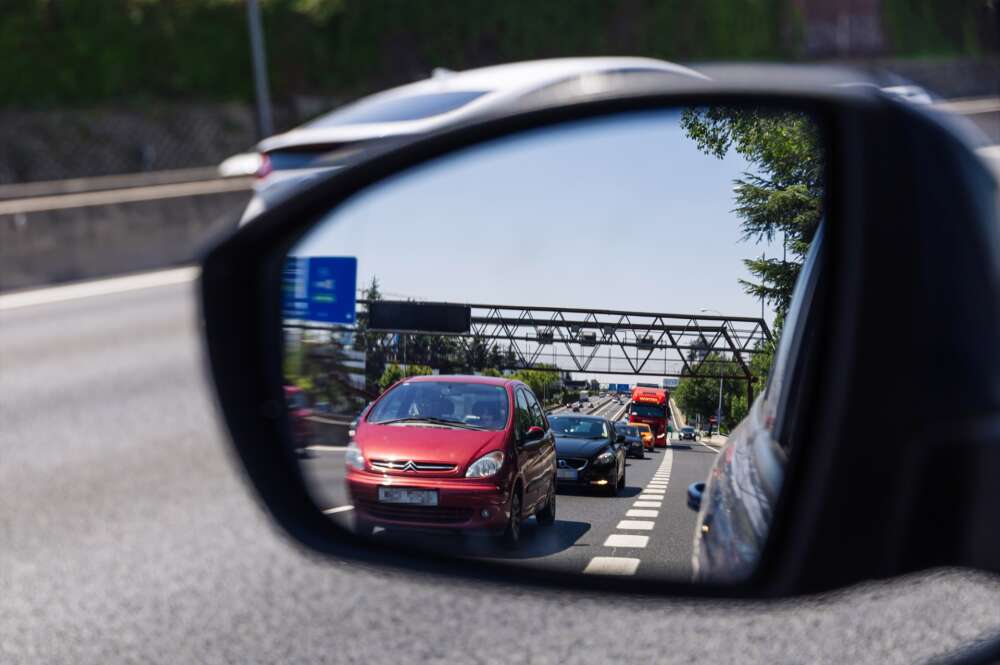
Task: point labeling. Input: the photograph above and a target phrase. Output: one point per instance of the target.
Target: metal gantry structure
(604, 341)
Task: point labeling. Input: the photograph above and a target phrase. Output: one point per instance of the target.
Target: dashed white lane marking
(636, 525)
(338, 509)
(638, 512)
(626, 540)
(326, 449)
(611, 565)
(98, 287)
(647, 504)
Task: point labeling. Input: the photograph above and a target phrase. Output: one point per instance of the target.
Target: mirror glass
(554, 349)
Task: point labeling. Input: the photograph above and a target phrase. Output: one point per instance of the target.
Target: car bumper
(636, 449)
(591, 476)
(463, 504)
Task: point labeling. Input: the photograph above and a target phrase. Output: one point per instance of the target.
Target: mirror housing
(897, 172)
(534, 433)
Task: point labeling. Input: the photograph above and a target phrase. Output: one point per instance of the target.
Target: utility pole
(265, 126)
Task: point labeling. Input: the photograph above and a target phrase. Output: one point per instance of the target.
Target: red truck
(651, 406)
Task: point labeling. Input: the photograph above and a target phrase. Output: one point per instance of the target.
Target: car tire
(621, 481)
(364, 527)
(512, 534)
(547, 515)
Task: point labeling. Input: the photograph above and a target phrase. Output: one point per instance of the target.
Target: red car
(467, 453)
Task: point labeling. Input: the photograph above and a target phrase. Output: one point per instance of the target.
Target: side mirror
(534, 433)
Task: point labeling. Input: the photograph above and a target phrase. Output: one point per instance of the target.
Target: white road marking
(326, 449)
(656, 483)
(626, 540)
(611, 565)
(647, 504)
(636, 525)
(641, 513)
(98, 287)
(338, 509)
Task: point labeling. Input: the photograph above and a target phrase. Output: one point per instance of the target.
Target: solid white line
(636, 525)
(626, 540)
(338, 509)
(642, 513)
(647, 504)
(611, 565)
(99, 287)
(326, 449)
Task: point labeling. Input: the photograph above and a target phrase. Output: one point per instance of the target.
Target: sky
(619, 212)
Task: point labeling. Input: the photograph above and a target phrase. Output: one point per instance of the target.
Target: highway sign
(320, 288)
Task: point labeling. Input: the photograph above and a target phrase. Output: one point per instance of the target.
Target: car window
(537, 415)
(779, 386)
(397, 109)
(523, 413)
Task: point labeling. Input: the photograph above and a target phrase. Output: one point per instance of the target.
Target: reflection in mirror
(532, 349)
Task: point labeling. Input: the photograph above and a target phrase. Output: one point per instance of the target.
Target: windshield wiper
(427, 419)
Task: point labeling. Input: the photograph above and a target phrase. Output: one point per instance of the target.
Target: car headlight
(354, 457)
(607, 457)
(486, 466)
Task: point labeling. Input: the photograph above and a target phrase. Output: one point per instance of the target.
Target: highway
(646, 530)
(128, 536)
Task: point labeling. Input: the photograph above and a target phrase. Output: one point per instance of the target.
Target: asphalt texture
(127, 536)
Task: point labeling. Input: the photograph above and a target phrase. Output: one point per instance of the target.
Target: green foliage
(934, 28)
(783, 197)
(700, 396)
(545, 384)
(394, 373)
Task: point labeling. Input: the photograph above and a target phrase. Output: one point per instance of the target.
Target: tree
(784, 196)
(394, 373)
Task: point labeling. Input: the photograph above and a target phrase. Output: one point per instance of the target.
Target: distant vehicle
(474, 453)
(651, 406)
(576, 406)
(298, 416)
(288, 160)
(589, 453)
(584, 397)
(688, 433)
(646, 434)
(632, 440)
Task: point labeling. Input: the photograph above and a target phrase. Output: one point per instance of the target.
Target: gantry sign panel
(598, 341)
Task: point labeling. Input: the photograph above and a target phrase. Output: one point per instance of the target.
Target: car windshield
(397, 109)
(465, 404)
(584, 428)
(643, 428)
(688, 429)
(648, 410)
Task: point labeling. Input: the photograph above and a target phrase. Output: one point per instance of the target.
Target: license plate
(400, 495)
(566, 474)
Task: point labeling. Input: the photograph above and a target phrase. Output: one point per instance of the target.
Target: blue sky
(618, 213)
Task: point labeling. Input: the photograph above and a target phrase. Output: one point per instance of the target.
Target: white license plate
(566, 474)
(399, 495)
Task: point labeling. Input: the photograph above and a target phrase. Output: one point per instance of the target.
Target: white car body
(345, 131)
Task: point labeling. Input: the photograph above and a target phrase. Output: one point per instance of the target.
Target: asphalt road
(646, 530)
(127, 536)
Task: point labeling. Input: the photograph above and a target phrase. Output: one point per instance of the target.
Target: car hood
(422, 443)
(567, 446)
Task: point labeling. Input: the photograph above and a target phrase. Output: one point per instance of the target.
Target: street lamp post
(718, 412)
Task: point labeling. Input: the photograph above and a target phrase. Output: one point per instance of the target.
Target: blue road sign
(321, 288)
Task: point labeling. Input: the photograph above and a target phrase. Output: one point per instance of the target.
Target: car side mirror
(534, 433)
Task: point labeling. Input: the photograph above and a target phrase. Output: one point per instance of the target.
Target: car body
(289, 160)
(631, 439)
(588, 453)
(688, 433)
(299, 412)
(468, 453)
(646, 433)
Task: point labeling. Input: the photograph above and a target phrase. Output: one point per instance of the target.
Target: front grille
(425, 514)
(410, 465)
(578, 463)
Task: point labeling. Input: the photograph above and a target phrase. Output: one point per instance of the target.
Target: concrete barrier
(73, 243)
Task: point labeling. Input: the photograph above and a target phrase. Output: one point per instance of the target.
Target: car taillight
(265, 167)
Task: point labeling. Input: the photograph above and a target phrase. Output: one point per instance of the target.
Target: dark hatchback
(588, 453)
(628, 436)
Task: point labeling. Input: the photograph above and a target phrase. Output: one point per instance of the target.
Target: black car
(688, 433)
(588, 453)
(629, 436)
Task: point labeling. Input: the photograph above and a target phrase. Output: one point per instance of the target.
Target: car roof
(462, 378)
(500, 83)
